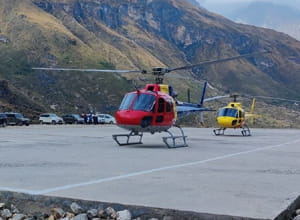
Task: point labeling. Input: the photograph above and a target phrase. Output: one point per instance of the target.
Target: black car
(72, 119)
(3, 120)
(16, 119)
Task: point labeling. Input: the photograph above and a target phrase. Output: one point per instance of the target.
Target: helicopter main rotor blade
(217, 61)
(88, 70)
(216, 97)
(274, 98)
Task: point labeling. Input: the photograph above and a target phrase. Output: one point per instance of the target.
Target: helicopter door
(169, 116)
(239, 116)
(160, 110)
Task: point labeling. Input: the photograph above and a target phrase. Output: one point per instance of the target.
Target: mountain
(130, 35)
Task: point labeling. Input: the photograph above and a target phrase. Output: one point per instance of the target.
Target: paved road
(254, 176)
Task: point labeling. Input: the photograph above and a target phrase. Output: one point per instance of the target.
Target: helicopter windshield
(141, 102)
(229, 112)
(144, 102)
(127, 100)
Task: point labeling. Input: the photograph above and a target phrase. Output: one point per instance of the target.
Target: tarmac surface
(255, 176)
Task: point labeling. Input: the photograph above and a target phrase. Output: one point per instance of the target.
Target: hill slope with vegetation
(127, 34)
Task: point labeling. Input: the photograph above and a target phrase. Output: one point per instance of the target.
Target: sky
(295, 3)
(231, 1)
(224, 6)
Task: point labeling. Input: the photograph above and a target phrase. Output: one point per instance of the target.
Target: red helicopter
(155, 108)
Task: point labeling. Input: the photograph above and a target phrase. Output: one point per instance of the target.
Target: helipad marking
(32, 192)
(109, 179)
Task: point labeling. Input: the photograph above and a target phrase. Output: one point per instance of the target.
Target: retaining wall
(39, 205)
(290, 212)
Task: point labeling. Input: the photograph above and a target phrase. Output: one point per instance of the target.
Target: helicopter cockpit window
(150, 88)
(126, 102)
(169, 106)
(241, 114)
(161, 105)
(229, 112)
(144, 102)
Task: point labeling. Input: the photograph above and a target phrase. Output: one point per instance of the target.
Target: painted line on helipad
(114, 178)
(32, 192)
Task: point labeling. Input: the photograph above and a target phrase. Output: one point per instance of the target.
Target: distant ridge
(128, 35)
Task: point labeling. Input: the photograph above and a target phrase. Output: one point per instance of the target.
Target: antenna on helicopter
(234, 96)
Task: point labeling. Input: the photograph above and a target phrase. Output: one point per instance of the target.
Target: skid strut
(245, 131)
(173, 139)
(120, 137)
(219, 131)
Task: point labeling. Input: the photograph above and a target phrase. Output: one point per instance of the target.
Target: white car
(106, 119)
(50, 118)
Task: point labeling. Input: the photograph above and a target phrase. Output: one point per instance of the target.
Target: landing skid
(173, 139)
(132, 134)
(219, 131)
(170, 141)
(245, 131)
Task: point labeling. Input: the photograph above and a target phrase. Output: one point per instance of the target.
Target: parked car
(72, 119)
(16, 119)
(3, 120)
(106, 119)
(50, 118)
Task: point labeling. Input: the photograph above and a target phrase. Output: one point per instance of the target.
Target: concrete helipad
(255, 176)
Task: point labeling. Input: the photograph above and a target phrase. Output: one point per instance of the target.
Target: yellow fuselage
(231, 116)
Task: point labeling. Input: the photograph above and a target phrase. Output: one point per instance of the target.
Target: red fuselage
(146, 111)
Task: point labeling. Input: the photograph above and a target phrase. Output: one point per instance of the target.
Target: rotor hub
(159, 73)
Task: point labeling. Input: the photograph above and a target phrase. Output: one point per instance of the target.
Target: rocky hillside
(130, 34)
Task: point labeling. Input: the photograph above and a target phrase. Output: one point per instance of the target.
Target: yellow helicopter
(234, 116)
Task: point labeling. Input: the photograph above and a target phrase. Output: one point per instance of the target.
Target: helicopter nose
(123, 117)
(130, 117)
(226, 122)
